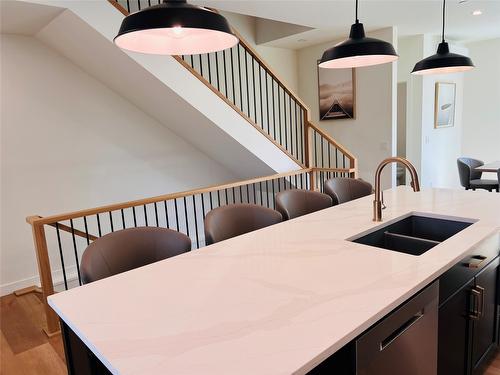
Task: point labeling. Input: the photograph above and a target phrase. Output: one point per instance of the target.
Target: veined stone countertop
(276, 301)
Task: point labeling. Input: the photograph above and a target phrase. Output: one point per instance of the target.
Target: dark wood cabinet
(468, 317)
(484, 324)
(454, 327)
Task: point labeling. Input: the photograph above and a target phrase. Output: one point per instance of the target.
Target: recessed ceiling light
(477, 12)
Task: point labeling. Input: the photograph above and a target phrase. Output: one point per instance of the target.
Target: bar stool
(297, 202)
(233, 220)
(130, 248)
(343, 189)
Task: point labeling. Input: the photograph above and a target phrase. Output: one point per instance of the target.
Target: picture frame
(444, 105)
(336, 93)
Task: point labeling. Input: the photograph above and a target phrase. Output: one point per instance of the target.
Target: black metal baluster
(227, 200)
(62, 257)
(217, 69)
(315, 150)
(260, 188)
(234, 195)
(296, 185)
(274, 201)
(218, 198)
(225, 74)
(322, 153)
(254, 196)
(76, 252)
(128, 5)
(86, 230)
(145, 215)
(303, 135)
(139, 4)
(201, 65)
(246, 75)
(254, 91)
(123, 218)
(192, 61)
(176, 214)
(203, 205)
(274, 110)
(279, 115)
(166, 213)
(241, 194)
(336, 158)
(302, 181)
(232, 75)
(284, 118)
(186, 215)
(135, 218)
(239, 75)
(211, 203)
(260, 93)
(343, 163)
(248, 194)
(267, 193)
(209, 69)
(98, 225)
(329, 155)
(111, 221)
(196, 223)
(156, 215)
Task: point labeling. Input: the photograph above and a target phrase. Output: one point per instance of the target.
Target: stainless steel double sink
(414, 234)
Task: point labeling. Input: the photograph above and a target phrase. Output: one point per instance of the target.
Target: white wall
(68, 142)
(282, 60)
(433, 151)
(481, 118)
(370, 136)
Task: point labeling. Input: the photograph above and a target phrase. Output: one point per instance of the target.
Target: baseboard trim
(57, 277)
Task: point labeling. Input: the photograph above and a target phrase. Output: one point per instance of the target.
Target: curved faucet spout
(377, 203)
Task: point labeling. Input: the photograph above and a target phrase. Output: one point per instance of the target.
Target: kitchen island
(280, 300)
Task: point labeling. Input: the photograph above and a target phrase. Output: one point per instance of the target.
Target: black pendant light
(443, 61)
(359, 50)
(175, 28)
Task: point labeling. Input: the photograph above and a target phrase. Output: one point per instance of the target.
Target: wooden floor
(25, 349)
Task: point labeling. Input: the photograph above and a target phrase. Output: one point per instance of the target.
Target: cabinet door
(454, 331)
(485, 326)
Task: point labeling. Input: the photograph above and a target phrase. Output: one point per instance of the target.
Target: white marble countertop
(276, 301)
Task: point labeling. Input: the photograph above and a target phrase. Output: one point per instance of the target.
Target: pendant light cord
(357, 20)
(444, 11)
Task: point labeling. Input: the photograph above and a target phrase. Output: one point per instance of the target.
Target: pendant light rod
(357, 20)
(444, 19)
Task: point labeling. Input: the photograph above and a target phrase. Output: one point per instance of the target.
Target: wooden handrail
(140, 202)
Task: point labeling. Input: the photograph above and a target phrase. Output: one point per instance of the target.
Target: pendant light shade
(443, 62)
(358, 50)
(175, 28)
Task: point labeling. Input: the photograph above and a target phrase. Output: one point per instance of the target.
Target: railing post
(312, 179)
(42, 256)
(354, 164)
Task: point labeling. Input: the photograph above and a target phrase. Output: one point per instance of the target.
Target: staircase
(253, 91)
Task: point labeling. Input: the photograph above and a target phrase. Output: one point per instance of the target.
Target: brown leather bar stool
(232, 220)
(298, 202)
(130, 248)
(343, 189)
(470, 178)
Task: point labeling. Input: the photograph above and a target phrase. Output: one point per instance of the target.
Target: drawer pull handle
(476, 297)
(402, 329)
(476, 261)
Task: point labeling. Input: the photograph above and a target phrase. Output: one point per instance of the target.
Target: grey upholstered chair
(471, 178)
(232, 220)
(130, 248)
(346, 189)
(298, 202)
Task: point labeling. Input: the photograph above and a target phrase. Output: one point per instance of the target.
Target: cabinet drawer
(405, 342)
(465, 270)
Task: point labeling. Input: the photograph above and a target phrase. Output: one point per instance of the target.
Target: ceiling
(331, 19)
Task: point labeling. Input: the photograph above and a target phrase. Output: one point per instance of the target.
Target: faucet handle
(383, 204)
